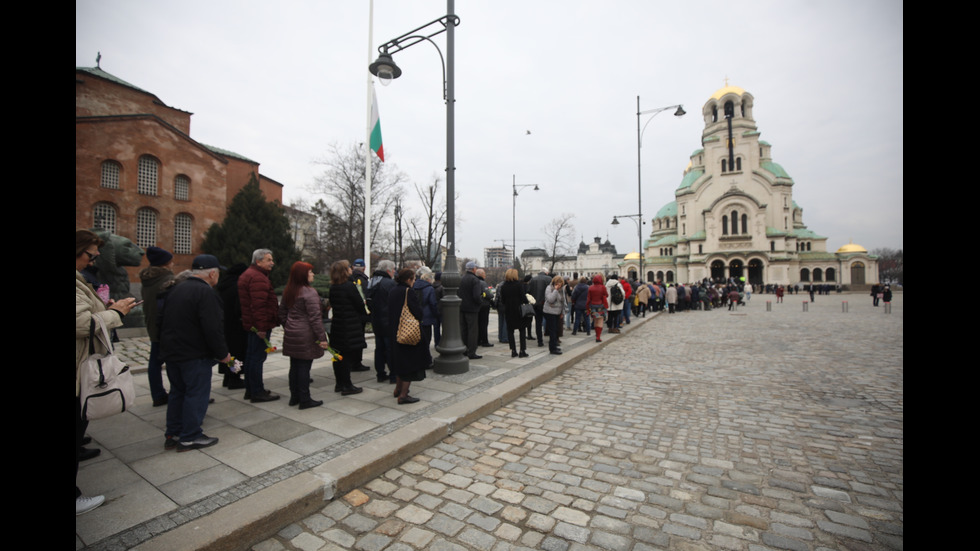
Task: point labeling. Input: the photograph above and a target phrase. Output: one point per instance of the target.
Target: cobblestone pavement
(747, 430)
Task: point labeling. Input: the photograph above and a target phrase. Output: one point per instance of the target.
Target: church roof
(804, 233)
(98, 72)
(688, 180)
(727, 89)
(775, 169)
(852, 248)
(670, 209)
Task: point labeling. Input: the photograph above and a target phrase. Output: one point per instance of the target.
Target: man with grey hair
(377, 298)
(260, 314)
(192, 340)
(470, 293)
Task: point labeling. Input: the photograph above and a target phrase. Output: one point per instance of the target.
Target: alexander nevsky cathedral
(733, 216)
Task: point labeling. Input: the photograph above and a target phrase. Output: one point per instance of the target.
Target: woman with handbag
(347, 325)
(410, 354)
(512, 296)
(303, 337)
(88, 306)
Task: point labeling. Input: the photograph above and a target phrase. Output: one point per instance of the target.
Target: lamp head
(615, 221)
(385, 69)
(680, 111)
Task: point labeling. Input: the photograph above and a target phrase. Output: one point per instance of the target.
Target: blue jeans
(154, 372)
(255, 356)
(190, 390)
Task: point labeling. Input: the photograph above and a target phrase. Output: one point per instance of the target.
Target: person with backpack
(617, 297)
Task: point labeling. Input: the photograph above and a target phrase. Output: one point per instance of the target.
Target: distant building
(302, 228)
(139, 174)
(592, 258)
(734, 214)
(498, 257)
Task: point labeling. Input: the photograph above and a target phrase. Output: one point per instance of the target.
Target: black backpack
(617, 294)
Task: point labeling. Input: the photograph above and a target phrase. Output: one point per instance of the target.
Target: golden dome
(852, 248)
(632, 256)
(727, 89)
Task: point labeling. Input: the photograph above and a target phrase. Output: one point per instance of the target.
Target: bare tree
(341, 204)
(891, 265)
(428, 233)
(558, 239)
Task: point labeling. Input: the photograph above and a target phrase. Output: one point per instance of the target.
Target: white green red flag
(376, 143)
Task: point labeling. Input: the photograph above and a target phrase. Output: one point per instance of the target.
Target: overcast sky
(281, 82)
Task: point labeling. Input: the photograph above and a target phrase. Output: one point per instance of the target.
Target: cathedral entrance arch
(735, 269)
(857, 273)
(756, 268)
(717, 271)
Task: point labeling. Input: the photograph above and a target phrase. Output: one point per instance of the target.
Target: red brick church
(140, 174)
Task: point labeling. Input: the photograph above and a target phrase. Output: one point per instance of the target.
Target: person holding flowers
(304, 339)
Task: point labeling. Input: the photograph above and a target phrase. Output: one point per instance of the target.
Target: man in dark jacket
(260, 314)
(154, 278)
(377, 298)
(486, 297)
(580, 300)
(358, 277)
(192, 340)
(536, 288)
(471, 293)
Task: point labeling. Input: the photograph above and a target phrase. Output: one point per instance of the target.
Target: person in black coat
(512, 296)
(346, 328)
(408, 361)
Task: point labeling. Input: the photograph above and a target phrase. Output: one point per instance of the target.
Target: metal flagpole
(367, 149)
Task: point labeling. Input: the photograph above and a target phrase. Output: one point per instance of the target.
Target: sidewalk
(275, 463)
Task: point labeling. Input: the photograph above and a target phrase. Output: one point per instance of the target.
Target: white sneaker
(85, 504)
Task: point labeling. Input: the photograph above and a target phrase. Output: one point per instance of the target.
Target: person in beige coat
(88, 305)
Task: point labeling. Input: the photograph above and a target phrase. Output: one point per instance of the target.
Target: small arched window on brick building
(104, 216)
(110, 174)
(146, 227)
(182, 188)
(147, 176)
(182, 233)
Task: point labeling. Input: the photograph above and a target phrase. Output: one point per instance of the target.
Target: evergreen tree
(253, 223)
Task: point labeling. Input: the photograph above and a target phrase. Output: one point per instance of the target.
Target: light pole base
(452, 359)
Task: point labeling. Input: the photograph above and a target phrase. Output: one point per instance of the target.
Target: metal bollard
(768, 306)
(843, 306)
(806, 306)
(888, 308)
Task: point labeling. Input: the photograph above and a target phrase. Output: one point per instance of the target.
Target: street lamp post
(639, 180)
(514, 217)
(452, 358)
(638, 218)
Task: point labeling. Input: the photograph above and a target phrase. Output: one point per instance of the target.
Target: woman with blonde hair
(554, 311)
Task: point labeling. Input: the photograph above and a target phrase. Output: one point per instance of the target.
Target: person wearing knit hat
(158, 256)
(155, 278)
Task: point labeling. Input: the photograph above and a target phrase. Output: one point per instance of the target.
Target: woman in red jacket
(598, 304)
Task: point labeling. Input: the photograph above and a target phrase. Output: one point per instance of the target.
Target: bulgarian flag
(376, 143)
